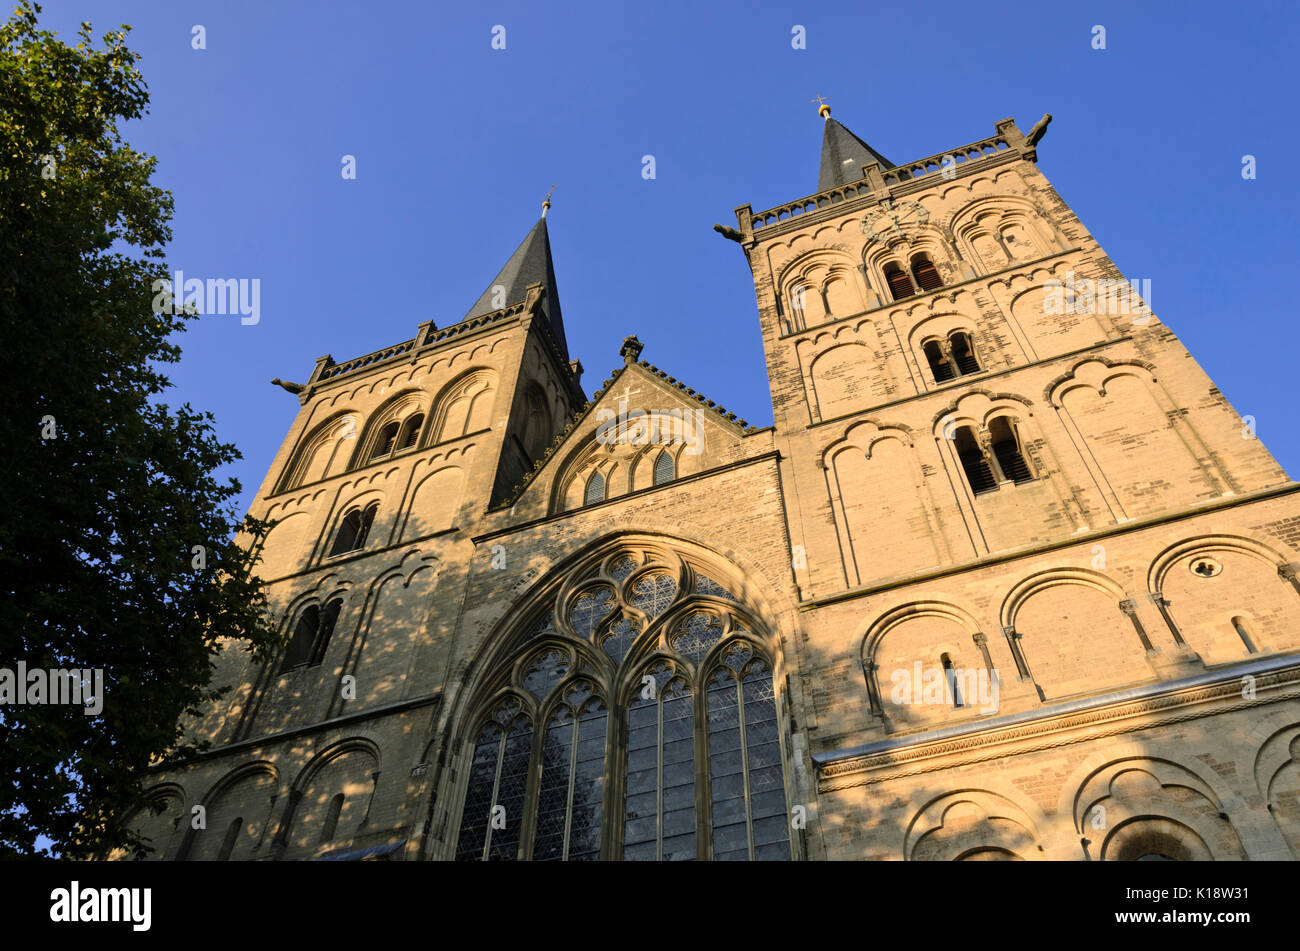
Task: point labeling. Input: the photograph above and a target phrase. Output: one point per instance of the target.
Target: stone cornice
(1127, 711)
(918, 577)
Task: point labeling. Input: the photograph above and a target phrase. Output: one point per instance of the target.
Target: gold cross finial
(823, 110)
(546, 202)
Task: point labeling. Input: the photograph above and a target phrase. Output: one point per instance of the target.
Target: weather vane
(823, 110)
(546, 202)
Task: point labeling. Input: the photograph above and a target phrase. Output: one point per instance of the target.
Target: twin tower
(1008, 578)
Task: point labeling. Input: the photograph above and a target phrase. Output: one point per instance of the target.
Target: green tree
(105, 489)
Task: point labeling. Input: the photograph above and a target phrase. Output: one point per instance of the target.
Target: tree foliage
(106, 490)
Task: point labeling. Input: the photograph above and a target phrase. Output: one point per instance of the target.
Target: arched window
(1008, 451)
(354, 529)
(331, 824)
(464, 408)
(747, 789)
(571, 787)
(950, 678)
(663, 468)
(410, 433)
(232, 836)
(941, 364)
(1239, 625)
(963, 352)
(951, 358)
(311, 636)
(900, 285)
(694, 767)
(497, 780)
(387, 439)
(925, 273)
(595, 489)
(974, 461)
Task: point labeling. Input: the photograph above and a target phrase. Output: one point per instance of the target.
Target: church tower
(1016, 505)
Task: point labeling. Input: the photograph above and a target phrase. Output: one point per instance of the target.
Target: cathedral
(1007, 578)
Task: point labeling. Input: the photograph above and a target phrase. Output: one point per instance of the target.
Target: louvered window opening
(899, 284)
(927, 275)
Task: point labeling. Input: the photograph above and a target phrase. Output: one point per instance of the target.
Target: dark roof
(530, 264)
(843, 155)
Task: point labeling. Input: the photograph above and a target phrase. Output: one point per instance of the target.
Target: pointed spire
(530, 264)
(843, 154)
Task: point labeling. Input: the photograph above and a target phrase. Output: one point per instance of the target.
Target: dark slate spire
(530, 264)
(843, 155)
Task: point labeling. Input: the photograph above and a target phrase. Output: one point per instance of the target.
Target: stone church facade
(1008, 578)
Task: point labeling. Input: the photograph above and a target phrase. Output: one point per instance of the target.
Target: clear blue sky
(456, 144)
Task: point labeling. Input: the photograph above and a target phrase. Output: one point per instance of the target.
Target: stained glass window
(545, 773)
(494, 800)
(618, 640)
(621, 567)
(546, 670)
(697, 635)
(653, 593)
(659, 820)
(746, 783)
(572, 786)
(589, 609)
(663, 468)
(706, 585)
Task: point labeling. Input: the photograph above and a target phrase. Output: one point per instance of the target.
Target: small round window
(1205, 567)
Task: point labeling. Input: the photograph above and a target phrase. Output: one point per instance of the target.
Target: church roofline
(429, 337)
(1006, 144)
(631, 349)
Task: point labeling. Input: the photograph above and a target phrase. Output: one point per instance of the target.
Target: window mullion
(496, 788)
(659, 779)
(568, 804)
(744, 763)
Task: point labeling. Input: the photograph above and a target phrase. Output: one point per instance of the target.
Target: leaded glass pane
(663, 469)
(653, 593)
(726, 767)
(588, 784)
(706, 585)
(478, 796)
(737, 656)
(747, 785)
(640, 823)
(553, 789)
(595, 489)
(659, 817)
(546, 670)
(621, 567)
(504, 843)
(699, 632)
(678, 777)
(618, 641)
(590, 608)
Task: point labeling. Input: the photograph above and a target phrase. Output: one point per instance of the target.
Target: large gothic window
(634, 717)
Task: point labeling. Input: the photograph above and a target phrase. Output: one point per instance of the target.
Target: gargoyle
(1037, 132)
(294, 388)
(729, 233)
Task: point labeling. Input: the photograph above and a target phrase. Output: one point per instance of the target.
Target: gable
(639, 426)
